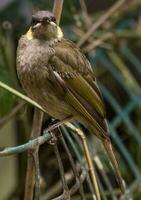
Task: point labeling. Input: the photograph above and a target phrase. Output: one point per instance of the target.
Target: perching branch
(32, 144)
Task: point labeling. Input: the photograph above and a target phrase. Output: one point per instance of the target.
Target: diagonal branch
(76, 174)
(101, 20)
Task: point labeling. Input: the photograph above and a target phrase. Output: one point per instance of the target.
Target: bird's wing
(73, 71)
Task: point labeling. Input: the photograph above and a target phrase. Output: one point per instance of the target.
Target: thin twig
(85, 14)
(83, 6)
(103, 36)
(88, 158)
(57, 187)
(76, 174)
(8, 151)
(57, 9)
(66, 193)
(75, 187)
(32, 161)
(32, 144)
(101, 20)
(11, 114)
(37, 174)
(97, 42)
(79, 157)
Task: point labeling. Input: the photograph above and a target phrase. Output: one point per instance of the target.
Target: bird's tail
(108, 147)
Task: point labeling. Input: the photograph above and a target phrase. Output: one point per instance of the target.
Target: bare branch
(57, 9)
(37, 174)
(88, 158)
(76, 174)
(66, 193)
(33, 161)
(29, 146)
(101, 20)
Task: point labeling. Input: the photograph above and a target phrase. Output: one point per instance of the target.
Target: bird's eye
(34, 21)
(53, 19)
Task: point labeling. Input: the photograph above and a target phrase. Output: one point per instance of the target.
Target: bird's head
(43, 26)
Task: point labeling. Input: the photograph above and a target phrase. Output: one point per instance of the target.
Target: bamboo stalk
(57, 9)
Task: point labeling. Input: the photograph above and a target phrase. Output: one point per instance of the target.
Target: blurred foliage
(114, 51)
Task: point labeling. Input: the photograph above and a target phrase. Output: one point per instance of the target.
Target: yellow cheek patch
(59, 33)
(29, 34)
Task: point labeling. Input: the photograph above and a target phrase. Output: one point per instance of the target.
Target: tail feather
(108, 147)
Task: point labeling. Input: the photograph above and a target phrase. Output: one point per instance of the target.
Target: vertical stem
(57, 9)
(91, 167)
(30, 175)
(88, 158)
(37, 175)
(76, 174)
(62, 173)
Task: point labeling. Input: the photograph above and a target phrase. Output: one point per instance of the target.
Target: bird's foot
(57, 123)
(53, 139)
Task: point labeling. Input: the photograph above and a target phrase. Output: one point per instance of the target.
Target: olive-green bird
(54, 72)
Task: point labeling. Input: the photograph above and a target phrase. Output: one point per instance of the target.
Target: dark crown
(42, 16)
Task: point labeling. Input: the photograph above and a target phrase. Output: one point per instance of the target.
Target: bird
(55, 73)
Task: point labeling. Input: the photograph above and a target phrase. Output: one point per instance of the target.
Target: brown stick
(88, 159)
(57, 9)
(30, 176)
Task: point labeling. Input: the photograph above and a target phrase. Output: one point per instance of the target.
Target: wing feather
(83, 108)
(74, 67)
(74, 72)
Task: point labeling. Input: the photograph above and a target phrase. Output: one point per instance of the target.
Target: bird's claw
(53, 139)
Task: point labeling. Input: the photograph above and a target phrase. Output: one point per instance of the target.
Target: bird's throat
(29, 34)
(59, 34)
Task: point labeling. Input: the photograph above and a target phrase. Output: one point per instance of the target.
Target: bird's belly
(55, 107)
